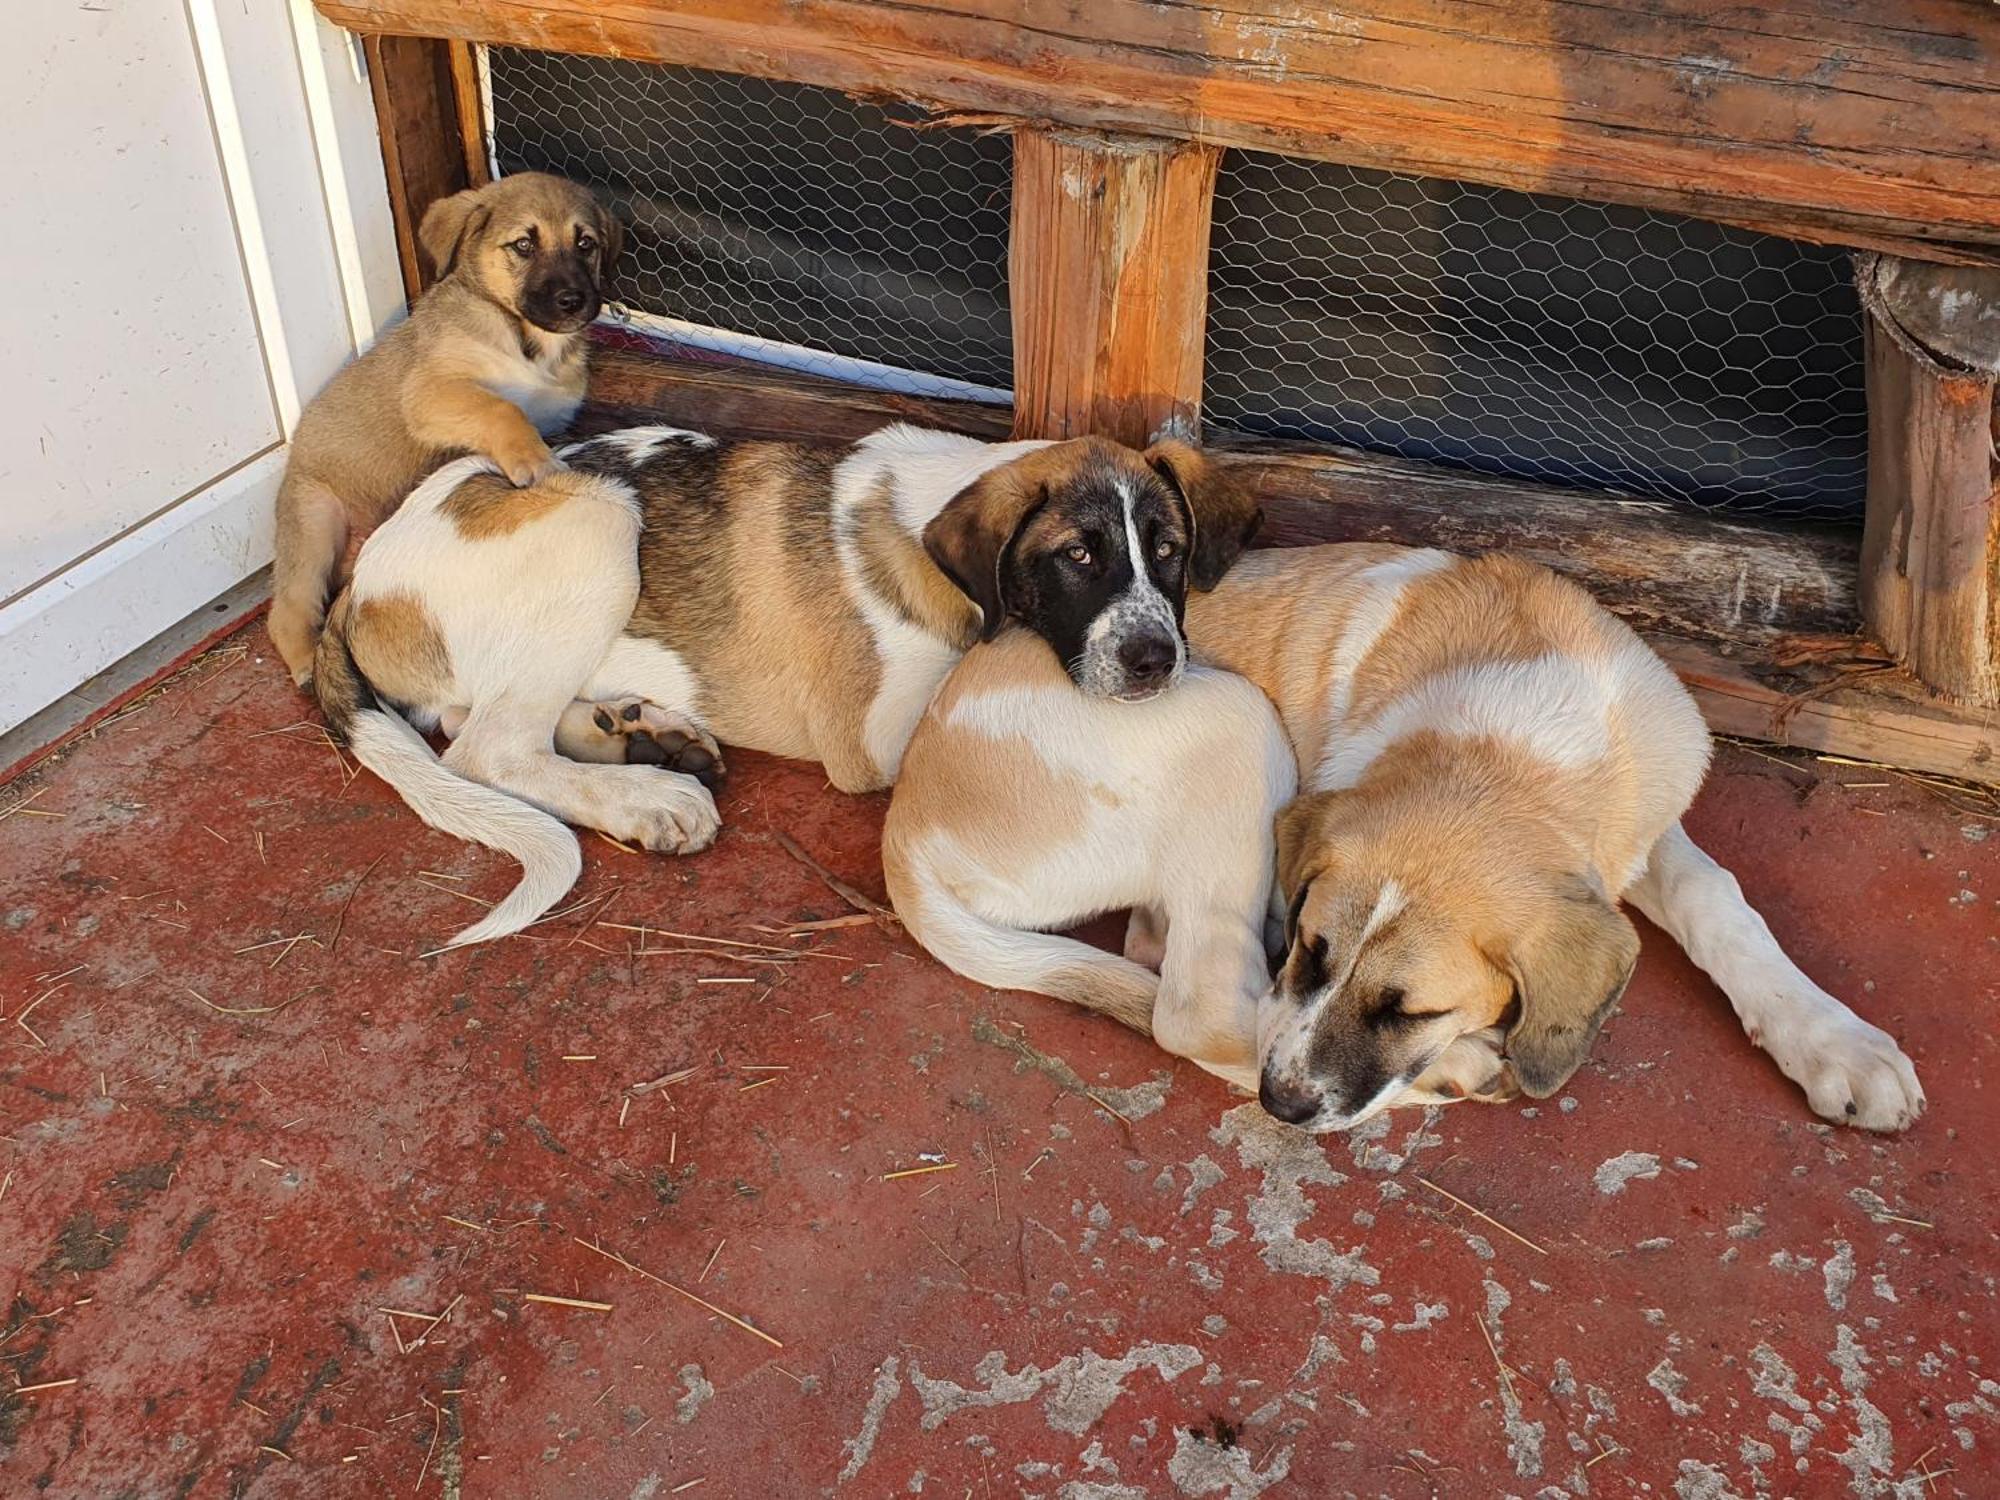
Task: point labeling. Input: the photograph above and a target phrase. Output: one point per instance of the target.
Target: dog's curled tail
(1007, 958)
(386, 743)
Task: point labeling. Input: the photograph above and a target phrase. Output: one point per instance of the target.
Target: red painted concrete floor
(230, 1151)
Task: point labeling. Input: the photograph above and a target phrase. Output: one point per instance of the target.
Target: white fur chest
(548, 388)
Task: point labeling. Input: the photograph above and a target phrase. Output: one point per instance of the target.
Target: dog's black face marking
(539, 246)
(559, 276)
(1099, 571)
(1087, 544)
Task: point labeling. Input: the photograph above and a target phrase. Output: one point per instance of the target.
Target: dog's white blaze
(1285, 1045)
(1141, 604)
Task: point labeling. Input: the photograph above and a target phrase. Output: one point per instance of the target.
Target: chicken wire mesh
(819, 231)
(1536, 337)
(1571, 342)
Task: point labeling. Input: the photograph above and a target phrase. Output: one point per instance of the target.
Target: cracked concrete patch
(1200, 1467)
(1524, 1438)
(1289, 1160)
(888, 1386)
(1626, 1167)
(697, 1390)
(1134, 1102)
(1085, 1385)
(1672, 1385)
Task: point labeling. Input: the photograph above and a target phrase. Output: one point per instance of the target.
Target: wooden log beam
(1107, 272)
(1930, 557)
(1757, 619)
(426, 99)
(1875, 125)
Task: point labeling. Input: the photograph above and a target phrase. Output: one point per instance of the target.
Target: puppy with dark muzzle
(1026, 806)
(490, 361)
(1103, 577)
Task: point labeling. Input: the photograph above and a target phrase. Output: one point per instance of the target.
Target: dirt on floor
(711, 1185)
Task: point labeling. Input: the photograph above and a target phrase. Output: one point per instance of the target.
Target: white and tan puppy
(1488, 762)
(1025, 805)
(664, 592)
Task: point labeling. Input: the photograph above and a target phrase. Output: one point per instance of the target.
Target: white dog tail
(1009, 959)
(387, 744)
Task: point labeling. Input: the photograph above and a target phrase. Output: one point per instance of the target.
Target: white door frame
(295, 135)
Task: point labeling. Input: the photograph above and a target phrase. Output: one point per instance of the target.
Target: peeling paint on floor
(1007, 1248)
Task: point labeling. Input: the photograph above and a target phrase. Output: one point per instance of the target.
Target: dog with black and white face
(1093, 547)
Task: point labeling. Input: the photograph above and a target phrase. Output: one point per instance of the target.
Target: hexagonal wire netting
(1544, 338)
(820, 231)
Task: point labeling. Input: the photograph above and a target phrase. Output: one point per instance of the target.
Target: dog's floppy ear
(1568, 972)
(969, 538)
(1223, 514)
(1302, 852)
(611, 235)
(446, 225)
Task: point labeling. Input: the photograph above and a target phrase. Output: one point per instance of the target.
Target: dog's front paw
(1853, 1073)
(666, 814)
(526, 461)
(1473, 1067)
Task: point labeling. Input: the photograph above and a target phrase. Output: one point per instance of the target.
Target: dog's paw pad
(651, 736)
(1855, 1074)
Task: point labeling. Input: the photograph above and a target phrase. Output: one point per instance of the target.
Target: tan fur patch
(487, 506)
(1019, 802)
(894, 566)
(399, 648)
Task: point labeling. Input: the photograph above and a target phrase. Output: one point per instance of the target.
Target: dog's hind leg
(506, 745)
(312, 534)
(632, 731)
(1852, 1072)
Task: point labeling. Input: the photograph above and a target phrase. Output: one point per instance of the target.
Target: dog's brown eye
(1165, 550)
(523, 247)
(1078, 554)
(585, 243)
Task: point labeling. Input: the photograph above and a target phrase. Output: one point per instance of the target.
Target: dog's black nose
(1293, 1103)
(568, 299)
(1147, 658)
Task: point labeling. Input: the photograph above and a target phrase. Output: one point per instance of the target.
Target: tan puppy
(1488, 762)
(489, 361)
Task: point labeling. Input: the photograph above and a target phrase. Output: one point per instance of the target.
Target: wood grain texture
(470, 110)
(1722, 600)
(1872, 125)
(1930, 557)
(423, 151)
(1107, 273)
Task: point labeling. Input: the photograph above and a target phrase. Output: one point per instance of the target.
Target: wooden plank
(1868, 125)
(1721, 599)
(732, 398)
(423, 152)
(1107, 273)
(1886, 718)
(470, 108)
(1930, 559)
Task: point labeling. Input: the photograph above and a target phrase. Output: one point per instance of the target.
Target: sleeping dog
(664, 591)
(1489, 762)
